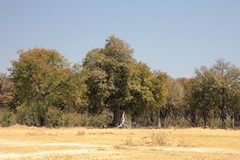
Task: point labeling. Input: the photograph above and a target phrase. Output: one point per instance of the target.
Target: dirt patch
(45, 153)
(86, 148)
(79, 148)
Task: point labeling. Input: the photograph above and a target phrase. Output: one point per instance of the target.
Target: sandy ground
(20, 142)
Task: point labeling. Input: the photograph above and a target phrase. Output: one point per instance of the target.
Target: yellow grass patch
(20, 142)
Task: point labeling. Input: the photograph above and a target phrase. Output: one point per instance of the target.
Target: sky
(174, 36)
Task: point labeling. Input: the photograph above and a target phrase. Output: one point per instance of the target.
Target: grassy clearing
(80, 143)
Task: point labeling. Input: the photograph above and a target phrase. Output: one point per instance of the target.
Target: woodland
(110, 88)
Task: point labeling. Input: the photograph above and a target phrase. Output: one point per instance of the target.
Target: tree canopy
(117, 81)
(111, 88)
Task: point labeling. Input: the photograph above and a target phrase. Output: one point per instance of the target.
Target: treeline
(111, 88)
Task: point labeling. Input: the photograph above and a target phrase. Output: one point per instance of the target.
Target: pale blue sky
(175, 36)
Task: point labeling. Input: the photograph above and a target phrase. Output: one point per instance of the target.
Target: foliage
(34, 115)
(119, 83)
(43, 77)
(44, 89)
(85, 120)
(142, 97)
(7, 118)
(217, 88)
(38, 74)
(174, 93)
(6, 91)
(54, 118)
(109, 74)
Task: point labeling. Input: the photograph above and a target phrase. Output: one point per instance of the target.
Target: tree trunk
(163, 115)
(69, 108)
(87, 118)
(122, 120)
(174, 118)
(152, 118)
(205, 121)
(116, 116)
(214, 117)
(159, 119)
(186, 117)
(132, 121)
(205, 118)
(233, 121)
(193, 117)
(223, 117)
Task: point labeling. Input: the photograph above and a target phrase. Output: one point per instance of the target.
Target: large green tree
(109, 71)
(141, 95)
(228, 79)
(38, 73)
(118, 82)
(217, 88)
(204, 92)
(43, 78)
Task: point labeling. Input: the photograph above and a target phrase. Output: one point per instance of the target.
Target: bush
(54, 118)
(99, 121)
(72, 120)
(159, 138)
(27, 116)
(217, 123)
(85, 120)
(7, 119)
(39, 115)
(33, 115)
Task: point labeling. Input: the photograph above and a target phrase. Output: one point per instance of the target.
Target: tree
(228, 88)
(116, 81)
(217, 87)
(40, 77)
(204, 92)
(159, 91)
(174, 98)
(141, 85)
(233, 104)
(109, 71)
(188, 107)
(78, 89)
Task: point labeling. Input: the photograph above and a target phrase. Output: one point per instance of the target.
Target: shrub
(99, 121)
(54, 118)
(33, 115)
(27, 116)
(85, 120)
(72, 120)
(159, 138)
(7, 119)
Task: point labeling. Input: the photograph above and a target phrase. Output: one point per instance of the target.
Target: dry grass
(20, 142)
